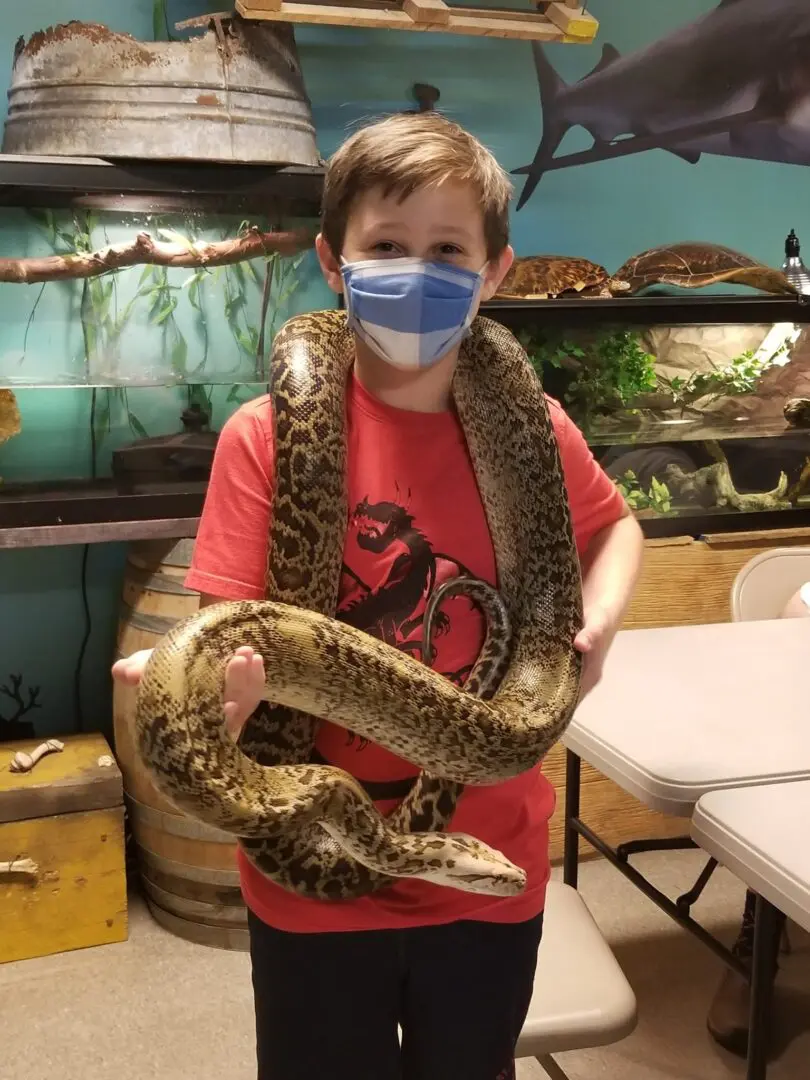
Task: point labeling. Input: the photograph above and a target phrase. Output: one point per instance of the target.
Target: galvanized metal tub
(232, 94)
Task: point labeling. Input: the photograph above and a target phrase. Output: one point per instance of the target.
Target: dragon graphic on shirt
(394, 609)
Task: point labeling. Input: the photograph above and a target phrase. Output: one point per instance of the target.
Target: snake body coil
(312, 828)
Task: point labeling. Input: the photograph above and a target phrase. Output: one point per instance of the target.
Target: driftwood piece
(143, 249)
(712, 486)
(801, 485)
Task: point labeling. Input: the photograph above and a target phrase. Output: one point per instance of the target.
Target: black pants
(328, 1005)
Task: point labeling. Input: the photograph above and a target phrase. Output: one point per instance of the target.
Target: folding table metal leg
(767, 928)
(573, 768)
(551, 1067)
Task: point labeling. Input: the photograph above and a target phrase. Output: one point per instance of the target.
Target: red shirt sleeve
(594, 499)
(230, 552)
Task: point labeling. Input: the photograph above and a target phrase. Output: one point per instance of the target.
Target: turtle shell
(540, 277)
(695, 265)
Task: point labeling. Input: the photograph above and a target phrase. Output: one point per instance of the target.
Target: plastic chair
(581, 998)
(764, 585)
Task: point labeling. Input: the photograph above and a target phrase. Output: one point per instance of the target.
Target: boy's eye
(450, 249)
(386, 247)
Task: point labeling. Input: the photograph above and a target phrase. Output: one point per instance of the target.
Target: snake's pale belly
(312, 828)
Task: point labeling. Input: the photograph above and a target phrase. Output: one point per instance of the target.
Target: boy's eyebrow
(386, 225)
(457, 230)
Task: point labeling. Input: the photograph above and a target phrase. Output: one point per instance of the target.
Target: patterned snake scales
(312, 828)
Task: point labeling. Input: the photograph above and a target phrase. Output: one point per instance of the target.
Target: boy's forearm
(610, 568)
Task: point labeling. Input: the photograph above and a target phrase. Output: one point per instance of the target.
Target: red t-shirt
(416, 519)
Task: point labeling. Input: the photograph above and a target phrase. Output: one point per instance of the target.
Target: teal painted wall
(606, 211)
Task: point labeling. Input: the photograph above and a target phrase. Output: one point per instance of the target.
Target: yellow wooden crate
(62, 862)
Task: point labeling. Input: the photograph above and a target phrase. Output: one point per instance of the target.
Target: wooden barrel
(187, 869)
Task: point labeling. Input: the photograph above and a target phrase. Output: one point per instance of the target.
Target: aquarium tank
(90, 364)
(130, 335)
(147, 324)
(697, 407)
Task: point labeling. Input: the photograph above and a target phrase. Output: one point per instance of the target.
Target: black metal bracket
(679, 909)
(638, 847)
(686, 900)
(768, 925)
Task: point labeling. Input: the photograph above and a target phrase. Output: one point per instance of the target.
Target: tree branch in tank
(144, 250)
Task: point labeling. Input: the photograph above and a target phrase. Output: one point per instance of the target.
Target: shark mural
(735, 82)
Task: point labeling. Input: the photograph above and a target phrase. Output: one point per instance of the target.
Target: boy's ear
(496, 272)
(330, 265)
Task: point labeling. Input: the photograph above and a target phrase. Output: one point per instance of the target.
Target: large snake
(312, 828)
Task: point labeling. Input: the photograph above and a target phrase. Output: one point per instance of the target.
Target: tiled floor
(159, 1008)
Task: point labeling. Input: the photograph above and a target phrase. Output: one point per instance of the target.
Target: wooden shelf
(85, 512)
(651, 310)
(60, 514)
(63, 517)
(564, 21)
(130, 185)
(97, 533)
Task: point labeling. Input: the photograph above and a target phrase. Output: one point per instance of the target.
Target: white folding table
(684, 711)
(760, 834)
(687, 709)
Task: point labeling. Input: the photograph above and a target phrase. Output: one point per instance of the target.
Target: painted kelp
(16, 702)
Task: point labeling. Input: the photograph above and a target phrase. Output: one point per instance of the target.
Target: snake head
(464, 863)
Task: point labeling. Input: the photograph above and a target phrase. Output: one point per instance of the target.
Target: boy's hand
(244, 688)
(128, 669)
(594, 640)
(244, 683)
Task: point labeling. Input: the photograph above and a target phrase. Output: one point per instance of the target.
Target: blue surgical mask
(411, 312)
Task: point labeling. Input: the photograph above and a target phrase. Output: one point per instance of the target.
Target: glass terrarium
(132, 371)
(144, 324)
(697, 407)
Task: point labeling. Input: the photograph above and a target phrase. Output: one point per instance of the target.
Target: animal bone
(26, 868)
(22, 762)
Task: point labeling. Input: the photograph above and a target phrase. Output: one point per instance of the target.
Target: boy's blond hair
(408, 151)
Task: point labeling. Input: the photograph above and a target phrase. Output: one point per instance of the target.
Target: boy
(332, 982)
